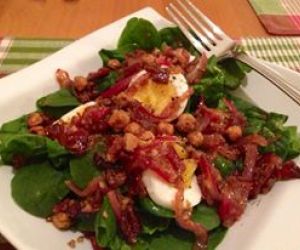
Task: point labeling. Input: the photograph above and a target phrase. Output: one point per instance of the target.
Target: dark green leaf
(23, 144)
(37, 188)
(106, 55)
(206, 216)
(15, 126)
(83, 170)
(85, 222)
(173, 37)
(106, 225)
(141, 33)
(107, 81)
(152, 223)
(233, 73)
(58, 103)
(149, 206)
(57, 154)
(174, 238)
(216, 237)
(225, 166)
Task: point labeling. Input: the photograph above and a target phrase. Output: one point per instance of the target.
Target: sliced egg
(77, 111)
(163, 194)
(157, 96)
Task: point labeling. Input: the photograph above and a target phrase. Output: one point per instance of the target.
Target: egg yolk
(155, 96)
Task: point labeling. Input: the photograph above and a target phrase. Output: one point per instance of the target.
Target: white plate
(270, 223)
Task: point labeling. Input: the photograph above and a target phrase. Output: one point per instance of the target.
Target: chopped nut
(80, 239)
(122, 100)
(131, 142)
(39, 130)
(114, 64)
(165, 128)
(186, 123)
(35, 119)
(63, 78)
(234, 132)
(119, 119)
(61, 220)
(147, 136)
(195, 138)
(80, 83)
(72, 243)
(105, 214)
(134, 128)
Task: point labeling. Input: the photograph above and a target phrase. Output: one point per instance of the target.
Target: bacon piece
(254, 139)
(92, 186)
(100, 73)
(288, 171)
(209, 181)
(118, 87)
(234, 200)
(196, 69)
(236, 117)
(251, 155)
(264, 173)
(183, 218)
(126, 216)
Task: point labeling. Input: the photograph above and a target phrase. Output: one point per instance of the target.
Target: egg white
(77, 111)
(163, 194)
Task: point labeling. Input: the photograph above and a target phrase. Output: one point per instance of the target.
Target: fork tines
(197, 27)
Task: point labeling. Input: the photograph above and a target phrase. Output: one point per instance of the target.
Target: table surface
(75, 18)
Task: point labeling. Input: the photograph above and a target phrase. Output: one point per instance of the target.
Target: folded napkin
(17, 53)
(280, 17)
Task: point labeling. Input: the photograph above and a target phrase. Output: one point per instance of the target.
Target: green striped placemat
(17, 53)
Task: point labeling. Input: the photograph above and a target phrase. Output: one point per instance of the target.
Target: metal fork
(210, 39)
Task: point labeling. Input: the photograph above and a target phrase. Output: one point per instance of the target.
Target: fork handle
(284, 85)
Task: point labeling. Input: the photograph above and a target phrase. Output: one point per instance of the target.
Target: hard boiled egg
(77, 111)
(163, 193)
(157, 96)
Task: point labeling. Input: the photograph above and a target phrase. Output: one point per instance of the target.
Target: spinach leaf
(225, 166)
(206, 216)
(149, 206)
(31, 147)
(139, 33)
(173, 238)
(106, 225)
(58, 103)
(234, 72)
(83, 170)
(216, 237)
(57, 154)
(106, 55)
(85, 222)
(106, 82)
(23, 144)
(173, 37)
(15, 126)
(152, 223)
(286, 140)
(37, 188)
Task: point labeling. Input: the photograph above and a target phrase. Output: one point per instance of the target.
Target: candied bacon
(288, 171)
(251, 155)
(69, 206)
(183, 218)
(91, 187)
(209, 181)
(159, 75)
(263, 173)
(100, 73)
(196, 69)
(234, 197)
(126, 216)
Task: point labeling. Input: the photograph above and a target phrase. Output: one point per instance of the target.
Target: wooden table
(75, 18)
